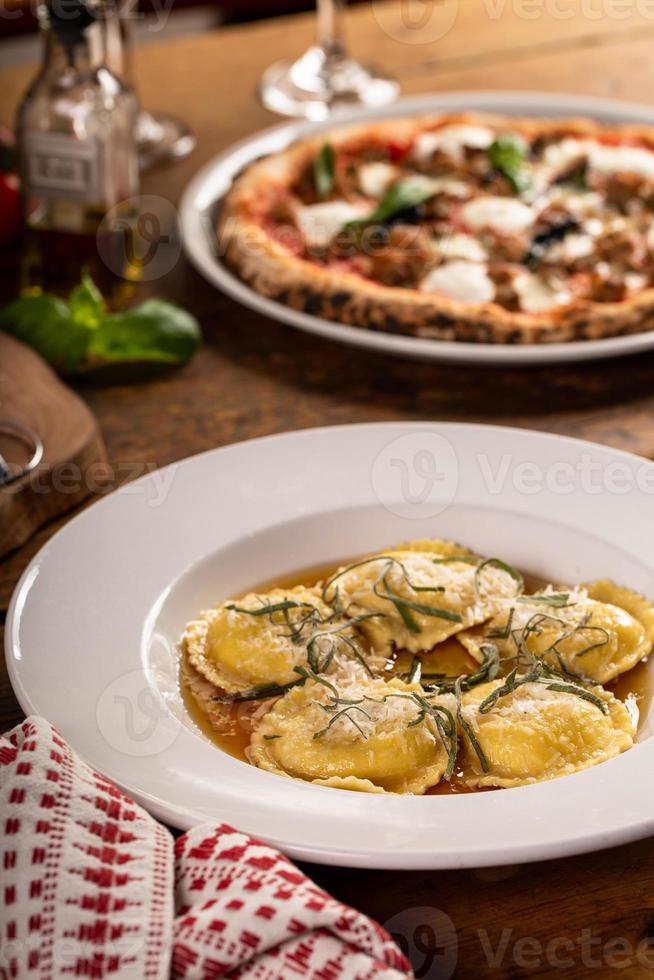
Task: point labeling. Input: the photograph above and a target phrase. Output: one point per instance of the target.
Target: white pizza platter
(205, 191)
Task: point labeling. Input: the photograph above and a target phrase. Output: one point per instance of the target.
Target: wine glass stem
(331, 36)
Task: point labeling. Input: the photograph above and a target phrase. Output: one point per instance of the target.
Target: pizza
(457, 227)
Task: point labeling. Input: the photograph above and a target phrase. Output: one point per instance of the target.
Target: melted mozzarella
(536, 295)
(439, 185)
(574, 246)
(320, 222)
(559, 156)
(452, 140)
(374, 178)
(371, 747)
(635, 282)
(460, 246)
(455, 188)
(504, 215)
(602, 158)
(460, 280)
(535, 734)
(622, 159)
(580, 203)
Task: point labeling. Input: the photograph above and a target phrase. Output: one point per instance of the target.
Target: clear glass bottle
(77, 154)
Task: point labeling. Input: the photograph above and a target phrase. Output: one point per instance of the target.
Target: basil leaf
(44, 322)
(400, 197)
(78, 337)
(154, 331)
(323, 171)
(86, 303)
(506, 154)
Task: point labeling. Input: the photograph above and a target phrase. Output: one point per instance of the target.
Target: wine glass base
(162, 138)
(316, 86)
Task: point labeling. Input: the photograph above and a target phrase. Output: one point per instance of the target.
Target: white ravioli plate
(91, 637)
(203, 194)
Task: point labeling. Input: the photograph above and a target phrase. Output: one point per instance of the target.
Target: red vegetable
(10, 210)
(398, 150)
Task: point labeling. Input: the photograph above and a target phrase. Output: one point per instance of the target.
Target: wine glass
(160, 137)
(325, 78)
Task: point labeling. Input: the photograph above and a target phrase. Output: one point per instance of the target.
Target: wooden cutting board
(31, 393)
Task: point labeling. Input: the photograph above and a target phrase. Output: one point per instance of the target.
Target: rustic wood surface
(74, 455)
(585, 916)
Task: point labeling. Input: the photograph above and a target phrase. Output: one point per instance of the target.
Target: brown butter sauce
(452, 659)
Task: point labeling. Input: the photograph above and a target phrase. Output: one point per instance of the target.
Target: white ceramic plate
(198, 206)
(93, 625)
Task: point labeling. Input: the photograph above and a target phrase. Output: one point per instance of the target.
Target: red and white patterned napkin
(93, 887)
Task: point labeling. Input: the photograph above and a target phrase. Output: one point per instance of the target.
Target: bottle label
(62, 166)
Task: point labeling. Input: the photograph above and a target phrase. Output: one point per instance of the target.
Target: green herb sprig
(488, 671)
(556, 599)
(506, 155)
(540, 673)
(406, 194)
(404, 606)
(481, 564)
(467, 728)
(324, 169)
(78, 336)
(323, 637)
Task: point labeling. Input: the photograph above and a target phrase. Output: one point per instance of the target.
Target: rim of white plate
(58, 606)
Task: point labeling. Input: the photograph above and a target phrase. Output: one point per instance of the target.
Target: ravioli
(604, 590)
(535, 734)
(437, 546)
(371, 682)
(596, 640)
(357, 735)
(260, 639)
(416, 599)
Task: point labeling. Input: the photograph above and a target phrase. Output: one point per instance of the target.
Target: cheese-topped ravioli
(417, 599)
(535, 733)
(358, 733)
(437, 546)
(260, 639)
(642, 609)
(592, 639)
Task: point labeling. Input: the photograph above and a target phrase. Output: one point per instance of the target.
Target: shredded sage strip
(467, 728)
(325, 635)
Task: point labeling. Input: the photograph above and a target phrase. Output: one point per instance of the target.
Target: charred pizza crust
(271, 269)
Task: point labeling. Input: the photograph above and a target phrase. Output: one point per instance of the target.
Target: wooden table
(579, 917)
